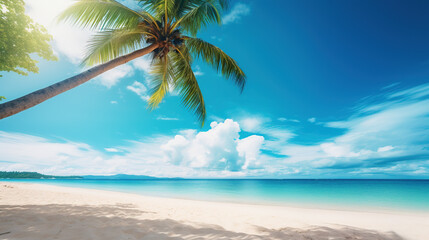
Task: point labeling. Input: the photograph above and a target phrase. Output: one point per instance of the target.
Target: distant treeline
(34, 175)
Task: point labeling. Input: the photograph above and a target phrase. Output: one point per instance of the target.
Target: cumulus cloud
(249, 149)
(218, 152)
(219, 148)
(139, 89)
(237, 12)
(113, 76)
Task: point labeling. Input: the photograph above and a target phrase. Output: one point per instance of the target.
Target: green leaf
(110, 44)
(21, 39)
(202, 14)
(162, 77)
(218, 59)
(102, 14)
(159, 7)
(187, 84)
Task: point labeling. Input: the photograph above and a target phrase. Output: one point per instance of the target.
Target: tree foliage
(170, 24)
(20, 37)
(32, 175)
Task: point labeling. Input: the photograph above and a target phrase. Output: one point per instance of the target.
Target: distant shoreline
(32, 175)
(36, 175)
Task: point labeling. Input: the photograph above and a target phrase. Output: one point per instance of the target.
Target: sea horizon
(339, 194)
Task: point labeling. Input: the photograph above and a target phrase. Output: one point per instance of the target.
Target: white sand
(37, 211)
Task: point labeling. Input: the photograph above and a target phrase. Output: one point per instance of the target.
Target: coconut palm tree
(165, 29)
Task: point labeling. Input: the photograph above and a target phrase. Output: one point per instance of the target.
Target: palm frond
(224, 4)
(181, 7)
(159, 7)
(110, 44)
(187, 84)
(202, 14)
(162, 77)
(218, 59)
(102, 14)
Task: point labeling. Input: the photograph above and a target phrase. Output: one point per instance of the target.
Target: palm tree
(165, 29)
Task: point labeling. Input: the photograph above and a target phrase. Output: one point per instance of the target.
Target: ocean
(332, 194)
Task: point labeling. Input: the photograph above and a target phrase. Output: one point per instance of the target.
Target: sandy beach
(37, 211)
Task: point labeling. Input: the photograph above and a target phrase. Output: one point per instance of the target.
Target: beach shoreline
(41, 211)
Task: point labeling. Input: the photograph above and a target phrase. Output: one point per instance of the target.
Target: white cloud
(220, 148)
(414, 93)
(312, 120)
(238, 11)
(253, 123)
(197, 71)
(276, 136)
(114, 150)
(113, 76)
(282, 119)
(214, 153)
(25, 152)
(385, 149)
(392, 85)
(21, 152)
(335, 150)
(262, 125)
(139, 89)
(114, 102)
(142, 63)
(394, 133)
(167, 118)
(249, 148)
(216, 38)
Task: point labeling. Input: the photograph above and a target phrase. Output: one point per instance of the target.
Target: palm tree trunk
(30, 100)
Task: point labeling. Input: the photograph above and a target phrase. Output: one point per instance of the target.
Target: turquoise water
(340, 194)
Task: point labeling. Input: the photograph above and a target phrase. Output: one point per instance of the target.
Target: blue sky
(335, 89)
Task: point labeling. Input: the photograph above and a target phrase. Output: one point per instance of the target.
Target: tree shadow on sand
(122, 221)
